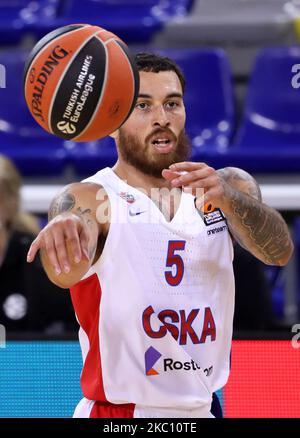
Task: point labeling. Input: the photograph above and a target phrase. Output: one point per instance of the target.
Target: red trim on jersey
(109, 410)
(86, 297)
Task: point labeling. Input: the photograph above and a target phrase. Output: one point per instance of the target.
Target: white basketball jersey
(156, 309)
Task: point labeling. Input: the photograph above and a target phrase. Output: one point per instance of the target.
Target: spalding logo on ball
(81, 82)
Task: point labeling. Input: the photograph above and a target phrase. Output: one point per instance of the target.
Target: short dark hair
(151, 62)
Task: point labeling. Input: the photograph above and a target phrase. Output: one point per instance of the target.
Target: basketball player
(149, 261)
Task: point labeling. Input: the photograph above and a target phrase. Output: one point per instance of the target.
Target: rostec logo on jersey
(177, 365)
(152, 356)
(195, 326)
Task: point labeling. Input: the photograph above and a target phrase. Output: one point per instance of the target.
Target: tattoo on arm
(66, 202)
(255, 226)
(63, 202)
(259, 228)
(85, 215)
(241, 180)
(70, 202)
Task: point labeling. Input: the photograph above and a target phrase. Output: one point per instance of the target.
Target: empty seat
(89, 157)
(268, 139)
(33, 150)
(11, 23)
(272, 113)
(19, 18)
(131, 20)
(239, 26)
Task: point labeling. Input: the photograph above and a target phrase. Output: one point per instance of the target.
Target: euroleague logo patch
(209, 214)
(128, 197)
(213, 217)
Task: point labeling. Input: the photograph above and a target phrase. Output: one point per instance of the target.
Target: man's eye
(172, 104)
(141, 105)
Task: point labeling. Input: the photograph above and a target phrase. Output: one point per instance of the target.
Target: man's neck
(138, 179)
(167, 201)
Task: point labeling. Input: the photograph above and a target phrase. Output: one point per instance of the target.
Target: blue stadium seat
(208, 97)
(34, 151)
(11, 22)
(131, 20)
(269, 136)
(19, 18)
(89, 157)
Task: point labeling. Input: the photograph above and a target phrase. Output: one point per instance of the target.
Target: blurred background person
(28, 301)
(253, 300)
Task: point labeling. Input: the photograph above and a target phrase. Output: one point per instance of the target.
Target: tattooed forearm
(259, 228)
(255, 226)
(241, 180)
(63, 202)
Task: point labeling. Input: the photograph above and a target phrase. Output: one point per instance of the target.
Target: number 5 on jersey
(175, 259)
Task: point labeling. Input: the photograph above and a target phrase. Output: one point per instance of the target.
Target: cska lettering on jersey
(181, 325)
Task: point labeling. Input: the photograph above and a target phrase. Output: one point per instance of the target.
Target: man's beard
(136, 153)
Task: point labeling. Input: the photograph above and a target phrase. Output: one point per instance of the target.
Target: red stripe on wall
(86, 297)
(264, 380)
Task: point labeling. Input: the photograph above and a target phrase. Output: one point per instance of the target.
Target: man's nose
(160, 117)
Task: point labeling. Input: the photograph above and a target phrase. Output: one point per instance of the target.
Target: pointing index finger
(34, 247)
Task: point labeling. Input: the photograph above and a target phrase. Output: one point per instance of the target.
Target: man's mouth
(163, 143)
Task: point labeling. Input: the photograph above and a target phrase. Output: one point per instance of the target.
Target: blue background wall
(40, 379)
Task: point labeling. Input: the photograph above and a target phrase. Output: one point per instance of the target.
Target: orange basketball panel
(48, 67)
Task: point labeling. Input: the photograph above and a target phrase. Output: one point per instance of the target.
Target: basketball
(80, 82)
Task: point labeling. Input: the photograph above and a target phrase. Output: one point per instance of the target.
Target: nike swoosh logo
(135, 213)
